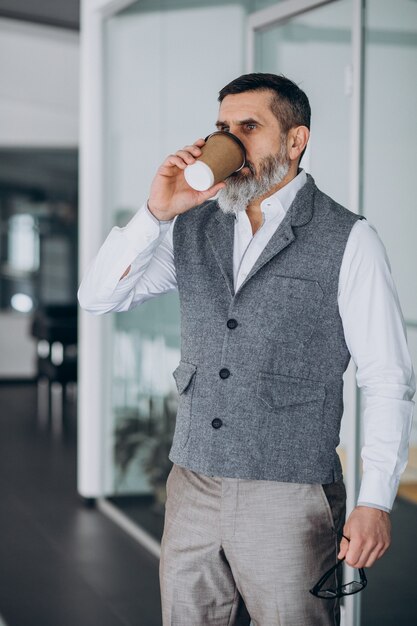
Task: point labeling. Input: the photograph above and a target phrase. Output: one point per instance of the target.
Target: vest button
(231, 324)
(224, 373)
(217, 423)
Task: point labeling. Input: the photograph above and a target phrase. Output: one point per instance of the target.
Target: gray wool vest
(260, 378)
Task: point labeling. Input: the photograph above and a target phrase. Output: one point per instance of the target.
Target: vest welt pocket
(292, 418)
(280, 391)
(184, 376)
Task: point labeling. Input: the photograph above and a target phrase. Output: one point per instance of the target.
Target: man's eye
(225, 129)
(251, 126)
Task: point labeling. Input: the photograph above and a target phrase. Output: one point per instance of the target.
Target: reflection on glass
(139, 132)
(23, 243)
(300, 48)
(389, 158)
(146, 351)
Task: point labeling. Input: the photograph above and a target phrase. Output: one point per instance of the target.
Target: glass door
(389, 201)
(389, 159)
(158, 69)
(314, 48)
(153, 107)
(144, 96)
(146, 92)
(356, 60)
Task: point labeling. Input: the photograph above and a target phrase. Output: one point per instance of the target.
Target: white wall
(38, 85)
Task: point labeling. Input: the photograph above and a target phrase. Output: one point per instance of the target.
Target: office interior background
(92, 98)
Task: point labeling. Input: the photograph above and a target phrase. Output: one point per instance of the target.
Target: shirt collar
(279, 202)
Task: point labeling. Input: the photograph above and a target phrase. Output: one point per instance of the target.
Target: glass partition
(160, 94)
(299, 48)
(38, 228)
(161, 87)
(390, 136)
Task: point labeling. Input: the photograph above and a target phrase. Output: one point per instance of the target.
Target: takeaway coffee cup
(222, 155)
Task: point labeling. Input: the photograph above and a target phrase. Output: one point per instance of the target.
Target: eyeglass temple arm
(327, 575)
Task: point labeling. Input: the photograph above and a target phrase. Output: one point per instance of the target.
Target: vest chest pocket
(295, 304)
(184, 376)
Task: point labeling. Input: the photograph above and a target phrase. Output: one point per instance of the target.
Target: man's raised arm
(136, 262)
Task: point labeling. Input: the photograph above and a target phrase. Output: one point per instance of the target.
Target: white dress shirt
(368, 304)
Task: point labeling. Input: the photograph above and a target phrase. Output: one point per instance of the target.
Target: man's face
(248, 116)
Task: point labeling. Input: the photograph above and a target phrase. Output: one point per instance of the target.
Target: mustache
(242, 188)
(250, 167)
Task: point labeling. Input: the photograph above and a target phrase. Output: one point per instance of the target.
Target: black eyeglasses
(321, 591)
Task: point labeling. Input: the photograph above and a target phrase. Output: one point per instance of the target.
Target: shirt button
(231, 324)
(217, 423)
(224, 373)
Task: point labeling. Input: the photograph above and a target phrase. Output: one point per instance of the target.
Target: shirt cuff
(144, 228)
(374, 506)
(378, 490)
(156, 220)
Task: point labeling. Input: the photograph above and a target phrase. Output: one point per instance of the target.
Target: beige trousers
(238, 550)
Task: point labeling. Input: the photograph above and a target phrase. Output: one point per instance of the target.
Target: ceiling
(62, 13)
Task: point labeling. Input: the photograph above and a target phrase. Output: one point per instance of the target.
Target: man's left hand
(369, 531)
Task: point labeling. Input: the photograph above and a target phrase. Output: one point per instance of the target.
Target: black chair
(55, 329)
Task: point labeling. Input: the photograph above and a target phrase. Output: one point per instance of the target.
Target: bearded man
(279, 286)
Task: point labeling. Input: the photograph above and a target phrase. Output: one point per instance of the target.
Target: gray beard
(242, 189)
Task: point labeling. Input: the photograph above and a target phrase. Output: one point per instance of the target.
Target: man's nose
(237, 131)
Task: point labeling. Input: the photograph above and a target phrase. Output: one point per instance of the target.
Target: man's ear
(297, 141)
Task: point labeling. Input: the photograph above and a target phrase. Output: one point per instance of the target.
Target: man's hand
(170, 194)
(369, 531)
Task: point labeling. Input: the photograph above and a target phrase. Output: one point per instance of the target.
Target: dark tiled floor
(61, 563)
(391, 596)
(143, 511)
